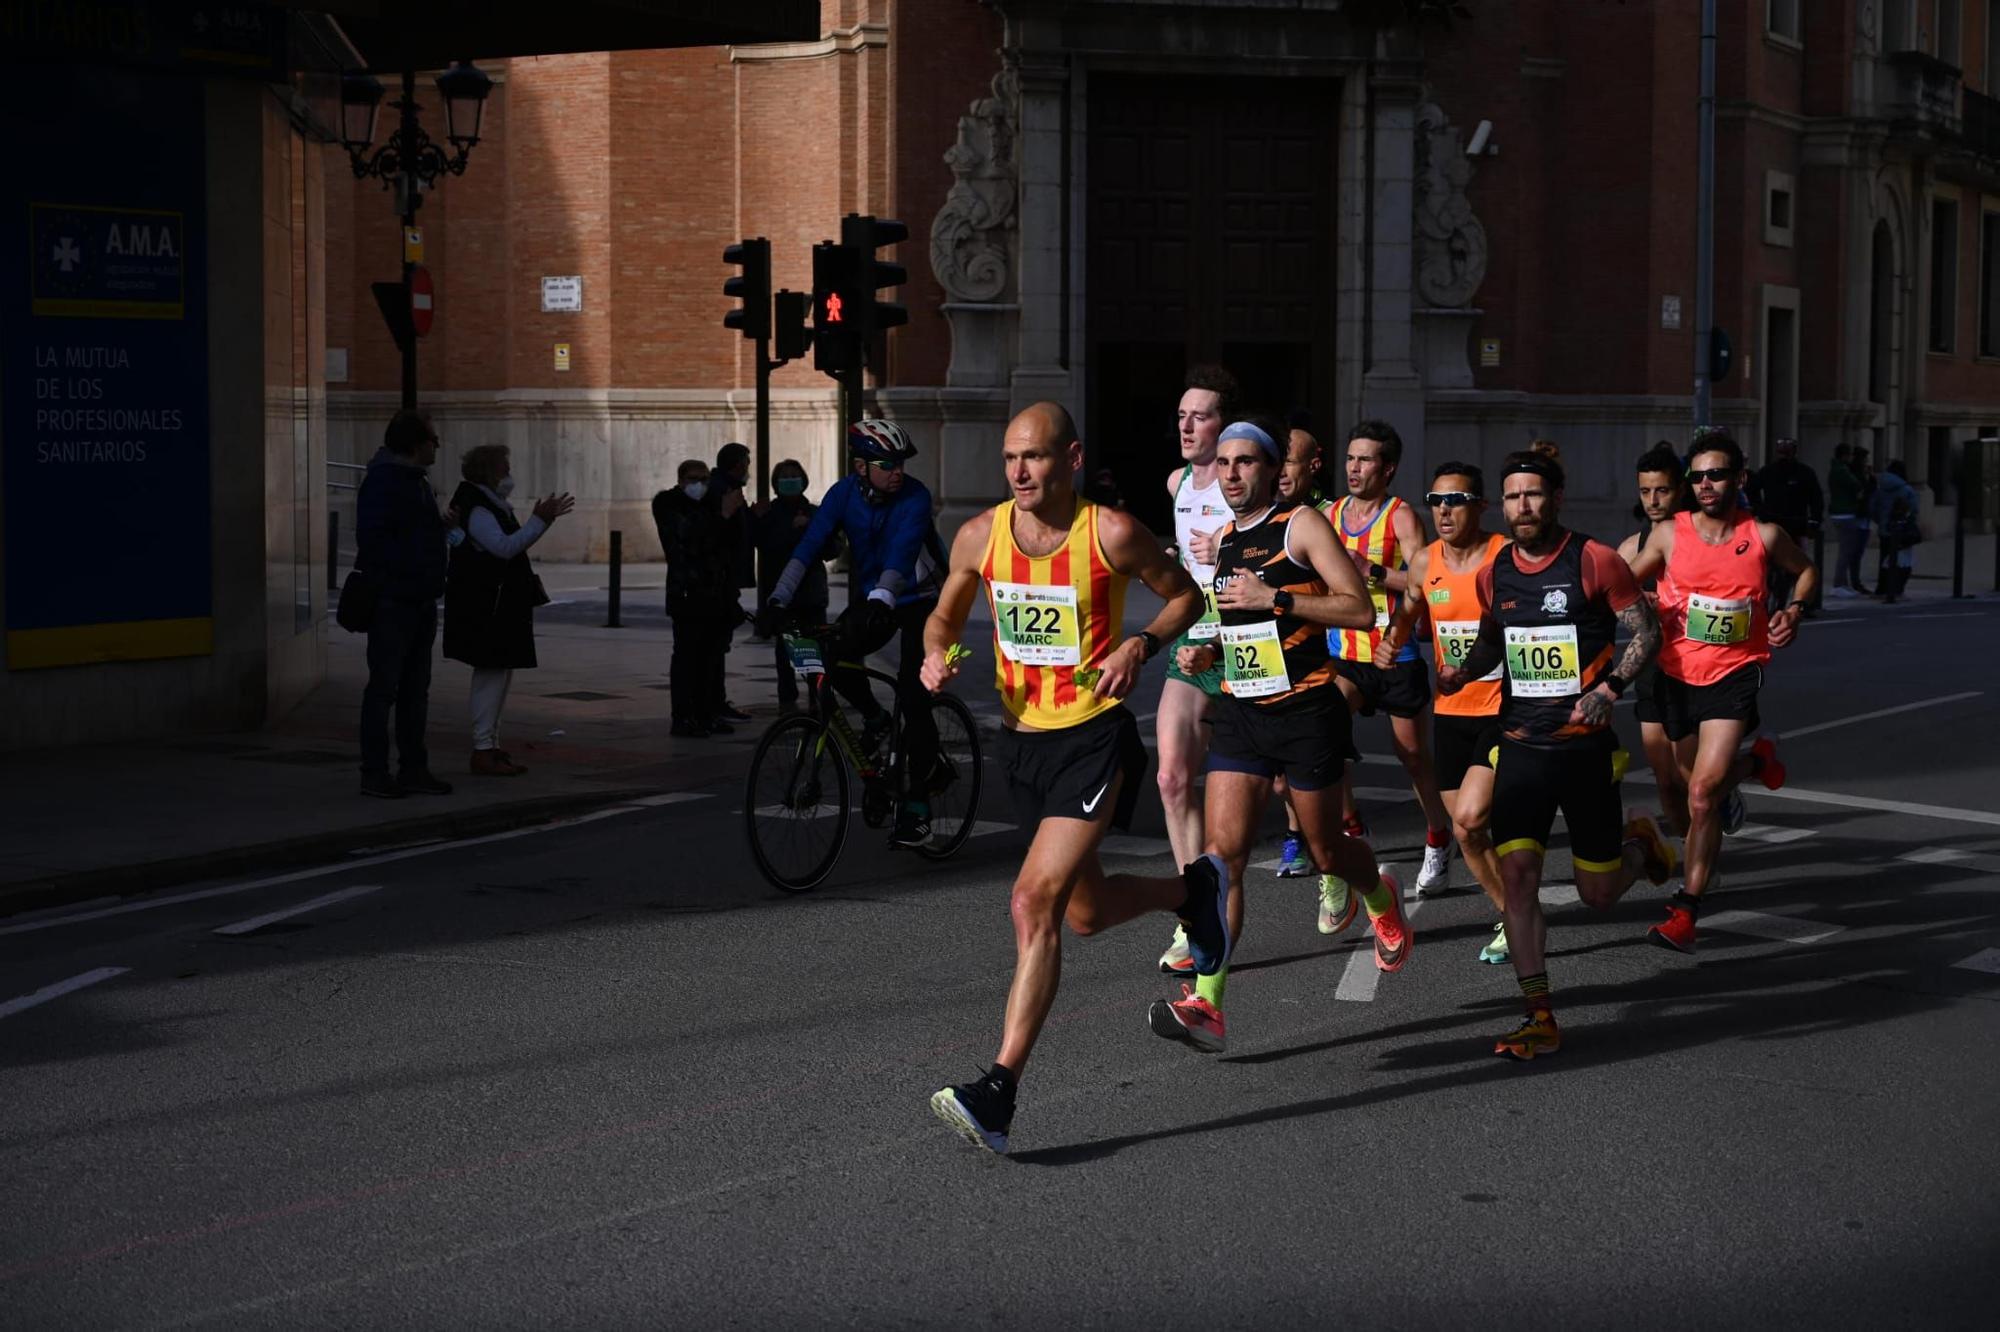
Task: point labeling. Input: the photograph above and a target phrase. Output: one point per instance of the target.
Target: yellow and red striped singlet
(1378, 545)
(1052, 617)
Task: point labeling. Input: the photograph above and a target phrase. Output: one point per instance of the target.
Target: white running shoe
(1176, 961)
(1435, 876)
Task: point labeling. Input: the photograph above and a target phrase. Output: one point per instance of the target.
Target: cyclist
(885, 515)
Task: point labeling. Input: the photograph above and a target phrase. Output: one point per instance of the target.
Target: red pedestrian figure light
(833, 304)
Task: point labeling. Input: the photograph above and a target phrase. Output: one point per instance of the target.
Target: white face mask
(694, 490)
(505, 488)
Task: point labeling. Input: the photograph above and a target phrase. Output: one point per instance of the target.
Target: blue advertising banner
(104, 436)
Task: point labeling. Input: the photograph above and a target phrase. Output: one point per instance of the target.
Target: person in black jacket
(401, 541)
(777, 525)
(490, 594)
(701, 596)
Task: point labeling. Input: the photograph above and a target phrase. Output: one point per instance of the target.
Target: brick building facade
(1100, 191)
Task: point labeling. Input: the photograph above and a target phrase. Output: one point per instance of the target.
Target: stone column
(1040, 370)
(1391, 388)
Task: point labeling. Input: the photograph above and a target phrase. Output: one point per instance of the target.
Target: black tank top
(1260, 552)
(1558, 642)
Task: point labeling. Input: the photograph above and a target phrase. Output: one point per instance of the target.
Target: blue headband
(1256, 435)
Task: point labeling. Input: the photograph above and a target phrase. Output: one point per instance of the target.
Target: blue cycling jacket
(894, 544)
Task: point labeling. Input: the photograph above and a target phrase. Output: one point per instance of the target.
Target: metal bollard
(617, 571)
(333, 550)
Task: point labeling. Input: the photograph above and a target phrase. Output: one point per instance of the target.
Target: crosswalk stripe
(1125, 844)
(1360, 977)
(1945, 855)
(1986, 960)
(1764, 925)
(1773, 833)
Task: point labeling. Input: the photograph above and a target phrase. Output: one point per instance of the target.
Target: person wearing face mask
(698, 582)
(777, 526)
(491, 592)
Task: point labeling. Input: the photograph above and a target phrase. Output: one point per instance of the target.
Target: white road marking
(987, 827)
(1764, 925)
(668, 798)
(1986, 960)
(1882, 712)
(313, 904)
(343, 867)
(1361, 976)
(1945, 855)
(1125, 844)
(59, 989)
(784, 812)
(1882, 806)
(1767, 832)
(1559, 894)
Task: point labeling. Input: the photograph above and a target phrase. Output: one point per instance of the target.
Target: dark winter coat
(701, 563)
(489, 603)
(398, 530)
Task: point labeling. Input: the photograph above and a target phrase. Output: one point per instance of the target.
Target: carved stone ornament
(1451, 244)
(972, 235)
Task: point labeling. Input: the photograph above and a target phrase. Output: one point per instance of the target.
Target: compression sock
(1535, 990)
(1377, 899)
(1435, 837)
(1211, 987)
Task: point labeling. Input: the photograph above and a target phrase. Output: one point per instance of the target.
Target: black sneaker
(691, 730)
(730, 712)
(717, 726)
(382, 786)
(980, 1111)
(1205, 914)
(422, 783)
(913, 826)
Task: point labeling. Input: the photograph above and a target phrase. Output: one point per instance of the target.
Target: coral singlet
(1712, 615)
(1455, 613)
(1052, 617)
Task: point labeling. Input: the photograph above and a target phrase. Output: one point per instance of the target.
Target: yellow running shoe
(1537, 1035)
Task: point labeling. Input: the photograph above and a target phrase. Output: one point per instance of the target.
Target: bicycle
(797, 802)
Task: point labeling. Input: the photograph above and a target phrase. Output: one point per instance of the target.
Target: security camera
(1480, 134)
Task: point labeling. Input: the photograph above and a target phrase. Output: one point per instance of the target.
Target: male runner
(1298, 483)
(1662, 494)
(1714, 566)
(1444, 581)
(1554, 602)
(1199, 517)
(1280, 580)
(886, 516)
(1381, 533)
(1055, 568)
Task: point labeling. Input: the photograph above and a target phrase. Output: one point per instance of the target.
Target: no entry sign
(422, 305)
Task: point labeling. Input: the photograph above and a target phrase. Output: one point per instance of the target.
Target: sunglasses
(1711, 473)
(1451, 499)
(887, 464)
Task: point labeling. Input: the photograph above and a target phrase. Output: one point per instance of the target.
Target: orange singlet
(1052, 617)
(1456, 611)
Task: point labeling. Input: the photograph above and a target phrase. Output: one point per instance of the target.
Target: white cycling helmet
(879, 441)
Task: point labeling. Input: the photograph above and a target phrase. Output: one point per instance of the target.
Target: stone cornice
(834, 43)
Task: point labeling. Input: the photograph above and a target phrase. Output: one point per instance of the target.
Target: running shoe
(1337, 904)
(1495, 950)
(1207, 918)
(1292, 863)
(1189, 1018)
(1642, 832)
(1537, 1035)
(1435, 876)
(1394, 939)
(980, 1111)
(1772, 772)
(1734, 813)
(1175, 961)
(1356, 827)
(1676, 931)
(913, 825)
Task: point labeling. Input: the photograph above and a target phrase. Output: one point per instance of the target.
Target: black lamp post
(410, 161)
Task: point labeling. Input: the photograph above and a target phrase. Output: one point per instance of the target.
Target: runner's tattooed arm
(1593, 706)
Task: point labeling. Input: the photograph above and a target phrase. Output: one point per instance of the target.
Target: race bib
(1210, 624)
(1455, 640)
(1037, 625)
(1714, 620)
(1253, 660)
(1544, 662)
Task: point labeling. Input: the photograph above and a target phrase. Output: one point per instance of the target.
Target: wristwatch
(1617, 684)
(1281, 602)
(1377, 574)
(1152, 644)
(1797, 601)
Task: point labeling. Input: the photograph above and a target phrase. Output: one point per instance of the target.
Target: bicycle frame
(808, 661)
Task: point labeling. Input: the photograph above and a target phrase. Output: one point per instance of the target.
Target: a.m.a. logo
(148, 240)
(1555, 601)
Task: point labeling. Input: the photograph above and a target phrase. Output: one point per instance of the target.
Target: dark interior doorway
(1210, 224)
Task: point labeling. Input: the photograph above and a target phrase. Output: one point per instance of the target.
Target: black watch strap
(1152, 643)
(1618, 684)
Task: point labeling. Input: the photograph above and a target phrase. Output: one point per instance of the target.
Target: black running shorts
(1402, 689)
(1308, 738)
(1067, 774)
(1460, 744)
(1684, 707)
(1532, 782)
(1646, 695)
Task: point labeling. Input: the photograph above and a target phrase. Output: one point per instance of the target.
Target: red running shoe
(1189, 1018)
(1393, 936)
(1770, 772)
(1676, 931)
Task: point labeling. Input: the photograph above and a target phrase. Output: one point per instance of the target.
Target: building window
(1989, 284)
(1950, 26)
(1944, 273)
(1781, 19)
(1778, 205)
(1896, 25)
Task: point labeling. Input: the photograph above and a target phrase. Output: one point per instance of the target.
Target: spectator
(1786, 492)
(697, 580)
(1895, 509)
(726, 482)
(1849, 515)
(777, 526)
(490, 594)
(401, 547)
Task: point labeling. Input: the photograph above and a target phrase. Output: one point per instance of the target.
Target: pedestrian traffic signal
(791, 330)
(752, 286)
(836, 333)
(1720, 355)
(865, 235)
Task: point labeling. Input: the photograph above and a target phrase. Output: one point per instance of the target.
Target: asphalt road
(598, 1075)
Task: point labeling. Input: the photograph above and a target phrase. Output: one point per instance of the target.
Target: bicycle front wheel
(954, 784)
(796, 803)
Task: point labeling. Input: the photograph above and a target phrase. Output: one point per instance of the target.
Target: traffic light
(835, 319)
(752, 286)
(1720, 356)
(792, 332)
(865, 235)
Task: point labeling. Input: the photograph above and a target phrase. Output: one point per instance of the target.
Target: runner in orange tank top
(1055, 567)
(1715, 638)
(1444, 586)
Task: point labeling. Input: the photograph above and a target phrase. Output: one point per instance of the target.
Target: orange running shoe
(1770, 771)
(1640, 830)
(1537, 1035)
(1189, 1018)
(1394, 939)
(1676, 931)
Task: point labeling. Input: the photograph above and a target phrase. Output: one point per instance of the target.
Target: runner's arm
(1651, 561)
(1409, 536)
(1785, 553)
(1346, 604)
(1604, 574)
(961, 585)
(1133, 551)
(1409, 610)
(1486, 650)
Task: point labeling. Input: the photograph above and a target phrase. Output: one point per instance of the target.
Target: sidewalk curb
(34, 894)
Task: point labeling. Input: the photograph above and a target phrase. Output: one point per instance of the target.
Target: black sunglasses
(1711, 473)
(1451, 499)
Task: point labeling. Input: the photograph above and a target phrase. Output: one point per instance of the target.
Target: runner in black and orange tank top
(1281, 581)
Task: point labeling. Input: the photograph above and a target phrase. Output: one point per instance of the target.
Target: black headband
(1537, 466)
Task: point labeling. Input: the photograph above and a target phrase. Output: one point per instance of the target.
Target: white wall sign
(1670, 311)
(336, 365)
(562, 295)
